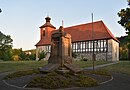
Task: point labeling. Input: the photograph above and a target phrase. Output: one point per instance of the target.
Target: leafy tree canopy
(124, 15)
(5, 42)
(5, 46)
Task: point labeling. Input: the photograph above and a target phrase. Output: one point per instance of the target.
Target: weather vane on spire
(47, 14)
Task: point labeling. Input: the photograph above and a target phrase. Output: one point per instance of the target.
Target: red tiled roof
(83, 32)
(48, 24)
(45, 40)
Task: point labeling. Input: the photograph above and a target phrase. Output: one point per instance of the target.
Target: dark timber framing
(87, 46)
(100, 46)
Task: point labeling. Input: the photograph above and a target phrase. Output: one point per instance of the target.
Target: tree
(5, 45)
(123, 50)
(124, 15)
(7, 55)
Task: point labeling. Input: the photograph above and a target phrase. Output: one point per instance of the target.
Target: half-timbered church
(85, 41)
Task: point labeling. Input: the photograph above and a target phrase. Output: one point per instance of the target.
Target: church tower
(46, 28)
(45, 37)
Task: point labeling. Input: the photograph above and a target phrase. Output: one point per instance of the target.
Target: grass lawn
(20, 65)
(84, 64)
(122, 67)
(24, 65)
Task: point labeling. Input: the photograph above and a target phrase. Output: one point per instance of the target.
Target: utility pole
(0, 10)
(93, 53)
(62, 23)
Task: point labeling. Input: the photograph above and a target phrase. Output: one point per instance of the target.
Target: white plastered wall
(113, 50)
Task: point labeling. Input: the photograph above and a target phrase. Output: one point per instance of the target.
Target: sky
(21, 19)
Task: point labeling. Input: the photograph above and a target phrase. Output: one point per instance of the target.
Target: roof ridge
(83, 24)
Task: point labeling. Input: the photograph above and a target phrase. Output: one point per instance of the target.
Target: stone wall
(88, 56)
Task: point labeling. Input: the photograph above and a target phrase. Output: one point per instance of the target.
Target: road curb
(11, 85)
(107, 81)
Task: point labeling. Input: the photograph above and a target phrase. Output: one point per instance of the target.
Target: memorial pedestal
(61, 55)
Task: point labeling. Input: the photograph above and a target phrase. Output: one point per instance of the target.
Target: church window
(48, 48)
(43, 32)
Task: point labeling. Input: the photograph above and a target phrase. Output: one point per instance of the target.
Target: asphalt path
(119, 82)
(4, 86)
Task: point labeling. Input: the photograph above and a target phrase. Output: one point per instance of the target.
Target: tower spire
(48, 19)
(48, 24)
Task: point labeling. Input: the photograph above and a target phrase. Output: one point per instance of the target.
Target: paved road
(3, 86)
(120, 82)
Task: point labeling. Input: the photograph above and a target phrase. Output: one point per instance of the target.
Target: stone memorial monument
(61, 55)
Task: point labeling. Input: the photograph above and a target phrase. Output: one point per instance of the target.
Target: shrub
(54, 80)
(85, 81)
(32, 56)
(74, 55)
(42, 55)
(50, 81)
(15, 57)
(85, 59)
